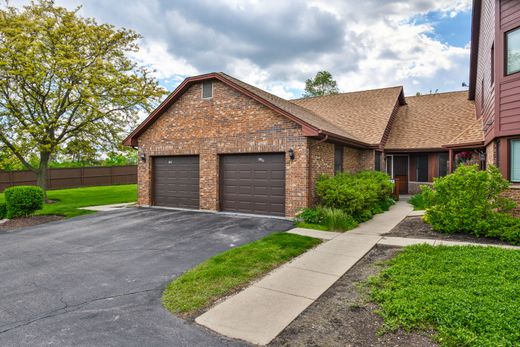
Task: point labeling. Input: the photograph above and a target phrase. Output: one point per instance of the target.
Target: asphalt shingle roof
(431, 121)
(365, 114)
(472, 134)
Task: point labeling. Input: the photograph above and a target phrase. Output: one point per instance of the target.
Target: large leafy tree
(65, 77)
(321, 84)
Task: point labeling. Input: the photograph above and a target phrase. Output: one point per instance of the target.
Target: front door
(400, 169)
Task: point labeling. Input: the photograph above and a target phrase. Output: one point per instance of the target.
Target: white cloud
(156, 56)
(276, 45)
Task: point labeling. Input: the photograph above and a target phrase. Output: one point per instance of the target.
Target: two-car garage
(248, 183)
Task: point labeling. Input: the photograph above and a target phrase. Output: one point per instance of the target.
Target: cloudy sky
(278, 44)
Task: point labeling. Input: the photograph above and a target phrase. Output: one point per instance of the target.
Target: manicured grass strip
(222, 274)
(68, 200)
(312, 226)
(469, 295)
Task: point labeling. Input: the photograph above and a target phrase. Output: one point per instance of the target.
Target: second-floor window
(207, 90)
(513, 51)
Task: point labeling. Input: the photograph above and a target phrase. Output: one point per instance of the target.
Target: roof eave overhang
(475, 33)
(415, 150)
(346, 140)
(475, 144)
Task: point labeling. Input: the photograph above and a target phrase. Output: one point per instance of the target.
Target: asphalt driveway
(97, 280)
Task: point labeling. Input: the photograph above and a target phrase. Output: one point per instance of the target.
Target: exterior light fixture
(143, 157)
(291, 153)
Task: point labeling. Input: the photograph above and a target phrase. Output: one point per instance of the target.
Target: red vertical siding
(485, 99)
(508, 95)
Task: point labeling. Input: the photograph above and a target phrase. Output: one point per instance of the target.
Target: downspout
(309, 171)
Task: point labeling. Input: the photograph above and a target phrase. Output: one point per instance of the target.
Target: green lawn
(312, 226)
(68, 200)
(223, 274)
(469, 295)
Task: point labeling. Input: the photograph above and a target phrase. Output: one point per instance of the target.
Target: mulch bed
(17, 223)
(415, 227)
(344, 315)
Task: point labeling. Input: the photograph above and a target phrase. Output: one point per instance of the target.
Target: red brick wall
(230, 122)
(355, 160)
(514, 194)
(322, 163)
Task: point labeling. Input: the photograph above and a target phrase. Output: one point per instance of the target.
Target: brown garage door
(253, 183)
(176, 181)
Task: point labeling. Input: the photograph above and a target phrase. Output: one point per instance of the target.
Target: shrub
(3, 210)
(312, 216)
(422, 200)
(359, 195)
(467, 200)
(23, 201)
(504, 227)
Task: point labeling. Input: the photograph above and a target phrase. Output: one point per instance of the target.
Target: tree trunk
(41, 179)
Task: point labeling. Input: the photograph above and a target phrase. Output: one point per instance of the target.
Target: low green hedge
(360, 195)
(349, 199)
(22, 201)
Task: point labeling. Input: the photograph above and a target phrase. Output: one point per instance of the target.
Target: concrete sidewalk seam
(318, 272)
(284, 292)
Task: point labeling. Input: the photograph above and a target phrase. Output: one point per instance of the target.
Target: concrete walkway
(261, 311)
(106, 208)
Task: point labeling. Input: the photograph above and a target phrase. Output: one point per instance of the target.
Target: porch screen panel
(515, 161)
(422, 168)
(443, 164)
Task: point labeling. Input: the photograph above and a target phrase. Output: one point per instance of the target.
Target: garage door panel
(176, 181)
(253, 183)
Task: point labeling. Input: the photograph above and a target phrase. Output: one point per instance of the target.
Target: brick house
(217, 143)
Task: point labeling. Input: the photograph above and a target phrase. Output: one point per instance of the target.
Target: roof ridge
(345, 93)
(433, 94)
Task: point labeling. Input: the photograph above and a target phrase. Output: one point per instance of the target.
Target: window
(207, 90)
(377, 164)
(513, 51)
(422, 168)
(515, 160)
(492, 64)
(338, 159)
(443, 164)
